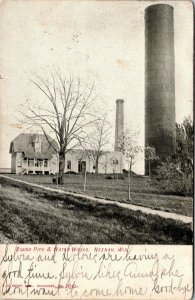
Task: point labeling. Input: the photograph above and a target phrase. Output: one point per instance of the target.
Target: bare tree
(128, 144)
(98, 139)
(66, 111)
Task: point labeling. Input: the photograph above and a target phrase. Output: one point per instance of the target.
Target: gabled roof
(24, 142)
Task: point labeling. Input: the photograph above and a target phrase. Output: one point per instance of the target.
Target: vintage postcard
(96, 149)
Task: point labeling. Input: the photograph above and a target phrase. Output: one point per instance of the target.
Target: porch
(35, 166)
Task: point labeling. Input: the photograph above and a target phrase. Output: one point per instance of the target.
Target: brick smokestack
(119, 126)
(160, 80)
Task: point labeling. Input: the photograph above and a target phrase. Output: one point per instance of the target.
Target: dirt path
(146, 210)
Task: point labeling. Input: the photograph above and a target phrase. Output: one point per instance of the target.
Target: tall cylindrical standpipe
(160, 80)
(119, 126)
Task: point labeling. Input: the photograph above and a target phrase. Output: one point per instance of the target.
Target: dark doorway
(81, 166)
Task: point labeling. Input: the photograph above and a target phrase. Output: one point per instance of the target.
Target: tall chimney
(160, 80)
(119, 126)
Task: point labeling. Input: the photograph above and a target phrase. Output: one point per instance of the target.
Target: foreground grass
(31, 215)
(143, 193)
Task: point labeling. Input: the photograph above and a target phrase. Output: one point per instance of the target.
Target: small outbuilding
(79, 161)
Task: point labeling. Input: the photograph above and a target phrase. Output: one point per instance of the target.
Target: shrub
(169, 179)
(115, 176)
(120, 176)
(108, 177)
(54, 180)
(71, 172)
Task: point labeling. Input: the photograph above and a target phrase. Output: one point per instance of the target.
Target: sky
(101, 41)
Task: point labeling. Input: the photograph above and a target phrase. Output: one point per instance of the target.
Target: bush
(54, 180)
(170, 180)
(120, 176)
(115, 176)
(125, 173)
(108, 177)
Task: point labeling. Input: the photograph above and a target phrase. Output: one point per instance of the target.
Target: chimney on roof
(119, 126)
(37, 143)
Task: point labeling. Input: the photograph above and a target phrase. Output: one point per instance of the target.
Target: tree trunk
(149, 168)
(85, 179)
(96, 165)
(129, 185)
(61, 167)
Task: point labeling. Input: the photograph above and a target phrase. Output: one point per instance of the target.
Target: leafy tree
(176, 174)
(184, 151)
(185, 138)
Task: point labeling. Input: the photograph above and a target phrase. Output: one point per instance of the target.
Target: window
(31, 162)
(69, 164)
(46, 163)
(38, 162)
(37, 146)
(115, 161)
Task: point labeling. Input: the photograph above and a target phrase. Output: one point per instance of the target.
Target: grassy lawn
(31, 215)
(143, 193)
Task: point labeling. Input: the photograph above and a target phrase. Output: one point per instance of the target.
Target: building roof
(83, 153)
(25, 142)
